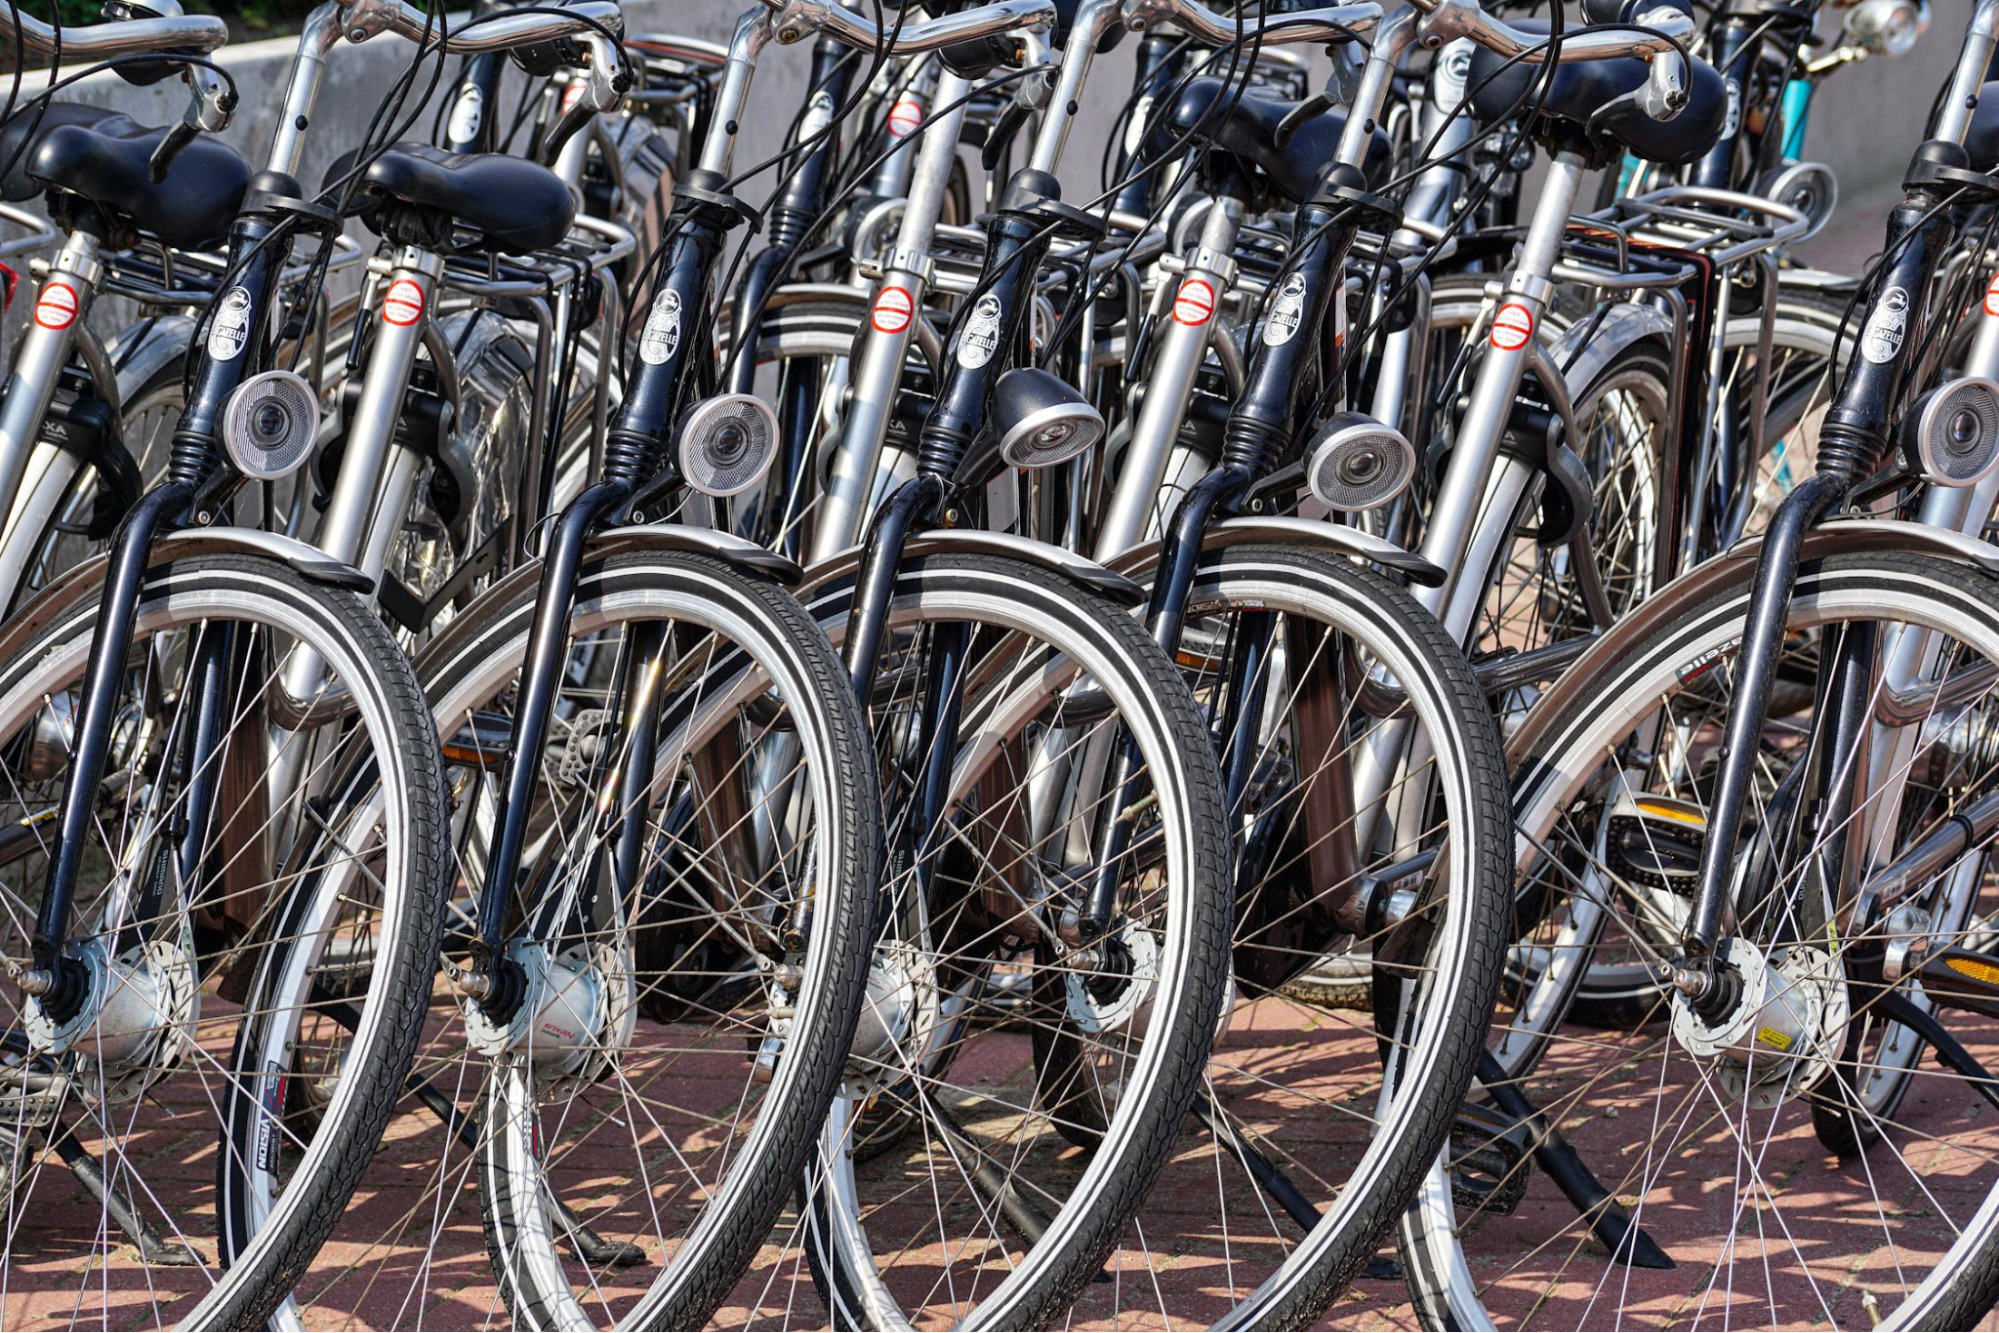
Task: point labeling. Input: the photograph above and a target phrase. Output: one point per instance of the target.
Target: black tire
(1369, 1116)
(278, 1192)
(854, 1249)
(473, 663)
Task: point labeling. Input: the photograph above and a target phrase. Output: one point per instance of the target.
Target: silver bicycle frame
(44, 350)
(852, 481)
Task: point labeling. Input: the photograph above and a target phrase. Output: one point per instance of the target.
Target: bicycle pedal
(1656, 841)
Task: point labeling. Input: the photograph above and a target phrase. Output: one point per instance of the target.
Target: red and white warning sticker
(1512, 327)
(55, 308)
(1195, 302)
(904, 117)
(1992, 296)
(402, 306)
(571, 96)
(892, 310)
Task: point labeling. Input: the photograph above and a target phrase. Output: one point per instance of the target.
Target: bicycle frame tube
(1909, 655)
(1734, 53)
(377, 478)
(361, 514)
(1467, 497)
(885, 342)
(1136, 503)
(44, 350)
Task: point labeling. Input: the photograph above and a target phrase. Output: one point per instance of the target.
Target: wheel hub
(1118, 991)
(1785, 1025)
(136, 1019)
(576, 1013)
(897, 1016)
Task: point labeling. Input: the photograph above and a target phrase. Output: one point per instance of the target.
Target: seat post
(1463, 501)
(61, 304)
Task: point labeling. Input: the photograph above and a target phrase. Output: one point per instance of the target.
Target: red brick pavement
(385, 1268)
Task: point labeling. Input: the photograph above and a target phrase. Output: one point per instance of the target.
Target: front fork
(984, 336)
(1853, 443)
(55, 979)
(636, 467)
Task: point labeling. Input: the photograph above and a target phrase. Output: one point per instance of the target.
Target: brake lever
(1294, 120)
(177, 138)
(1009, 123)
(210, 102)
(565, 129)
(604, 81)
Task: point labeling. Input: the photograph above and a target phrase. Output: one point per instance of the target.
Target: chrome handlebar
(1442, 21)
(125, 37)
(362, 19)
(795, 20)
(1334, 23)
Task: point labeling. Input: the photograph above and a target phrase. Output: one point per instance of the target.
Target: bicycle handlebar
(1444, 20)
(362, 19)
(1335, 23)
(793, 20)
(1664, 25)
(197, 33)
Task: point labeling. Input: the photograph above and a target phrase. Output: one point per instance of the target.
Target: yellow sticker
(1774, 1039)
(1672, 812)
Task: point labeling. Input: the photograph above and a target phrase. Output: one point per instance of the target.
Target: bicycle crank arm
(1560, 1162)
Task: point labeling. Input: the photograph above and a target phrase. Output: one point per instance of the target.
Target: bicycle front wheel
(152, 1171)
(692, 924)
(1045, 992)
(1769, 1166)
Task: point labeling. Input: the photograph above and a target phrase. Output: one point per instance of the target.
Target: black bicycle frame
(1736, 46)
(194, 472)
(790, 220)
(637, 467)
(1853, 442)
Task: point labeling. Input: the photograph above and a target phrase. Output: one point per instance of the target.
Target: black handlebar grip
(1627, 11)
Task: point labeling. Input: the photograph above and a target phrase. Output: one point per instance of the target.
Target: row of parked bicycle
(1377, 695)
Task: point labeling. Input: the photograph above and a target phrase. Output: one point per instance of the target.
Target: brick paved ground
(385, 1269)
